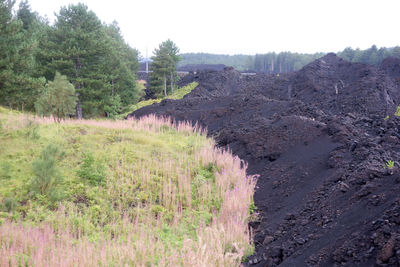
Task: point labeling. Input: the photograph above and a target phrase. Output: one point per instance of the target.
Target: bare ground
(320, 139)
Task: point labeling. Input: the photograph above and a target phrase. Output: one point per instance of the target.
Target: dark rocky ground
(201, 67)
(319, 138)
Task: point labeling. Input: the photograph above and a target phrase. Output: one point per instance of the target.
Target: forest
(93, 55)
(287, 61)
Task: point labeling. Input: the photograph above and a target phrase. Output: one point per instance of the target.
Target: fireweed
(167, 196)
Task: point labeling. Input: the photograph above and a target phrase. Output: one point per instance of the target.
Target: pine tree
(164, 64)
(121, 66)
(47, 177)
(57, 99)
(18, 87)
(26, 15)
(95, 59)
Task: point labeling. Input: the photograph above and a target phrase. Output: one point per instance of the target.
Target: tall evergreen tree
(80, 46)
(122, 64)
(164, 64)
(26, 15)
(18, 89)
(95, 59)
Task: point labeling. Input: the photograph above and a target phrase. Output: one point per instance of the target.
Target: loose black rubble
(320, 139)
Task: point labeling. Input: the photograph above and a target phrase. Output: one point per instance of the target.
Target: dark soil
(320, 139)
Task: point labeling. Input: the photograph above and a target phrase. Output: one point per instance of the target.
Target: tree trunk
(79, 110)
(78, 66)
(272, 65)
(172, 82)
(165, 84)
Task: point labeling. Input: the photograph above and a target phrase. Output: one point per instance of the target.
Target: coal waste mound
(320, 139)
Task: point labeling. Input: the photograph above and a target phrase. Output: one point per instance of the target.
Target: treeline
(372, 55)
(287, 61)
(281, 62)
(92, 55)
(239, 62)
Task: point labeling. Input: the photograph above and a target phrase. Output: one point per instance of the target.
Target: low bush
(92, 170)
(47, 178)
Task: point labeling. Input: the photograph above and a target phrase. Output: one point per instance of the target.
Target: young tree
(57, 99)
(47, 177)
(164, 64)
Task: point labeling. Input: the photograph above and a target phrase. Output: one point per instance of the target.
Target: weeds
(149, 192)
(390, 164)
(32, 129)
(91, 170)
(5, 170)
(397, 113)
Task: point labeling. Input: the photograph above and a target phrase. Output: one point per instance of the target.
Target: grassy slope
(132, 192)
(177, 94)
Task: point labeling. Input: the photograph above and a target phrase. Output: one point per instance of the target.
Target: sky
(246, 26)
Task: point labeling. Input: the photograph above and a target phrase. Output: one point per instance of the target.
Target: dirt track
(319, 140)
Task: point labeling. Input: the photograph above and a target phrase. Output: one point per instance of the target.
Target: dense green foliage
(93, 56)
(165, 60)
(287, 61)
(57, 98)
(18, 86)
(372, 55)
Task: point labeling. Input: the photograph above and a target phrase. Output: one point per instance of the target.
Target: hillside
(142, 192)
(178, 93)
(325, 142)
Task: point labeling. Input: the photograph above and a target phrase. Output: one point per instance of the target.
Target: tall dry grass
(223, 242)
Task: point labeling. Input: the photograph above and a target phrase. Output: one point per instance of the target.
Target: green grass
(177, 94)
(121, 181)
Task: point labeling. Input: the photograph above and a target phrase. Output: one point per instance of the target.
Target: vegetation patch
(177, 94)
(112, 193)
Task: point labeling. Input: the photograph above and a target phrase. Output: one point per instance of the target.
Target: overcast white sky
(247, 26)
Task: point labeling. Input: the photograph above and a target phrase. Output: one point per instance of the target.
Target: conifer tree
(18, 87)
(57, 99)
(164, 64)
(95, 59)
